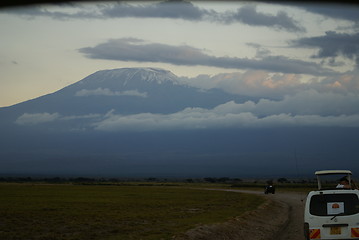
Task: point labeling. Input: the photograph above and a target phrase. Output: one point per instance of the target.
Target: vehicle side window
(333, 204)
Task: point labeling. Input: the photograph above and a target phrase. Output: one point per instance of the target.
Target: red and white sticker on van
(335, 208)
(314, 234)
(355, 233)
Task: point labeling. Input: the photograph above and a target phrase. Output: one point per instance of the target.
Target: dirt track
(294, 229)
(293, 226)
(281, 218)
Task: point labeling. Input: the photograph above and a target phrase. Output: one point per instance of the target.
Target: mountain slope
(125, 91)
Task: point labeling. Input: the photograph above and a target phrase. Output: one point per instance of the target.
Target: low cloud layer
(130, 49)
(263, 84)
(308, 108)
(108, 92)
(30, 119)
(36, 118)
(198, 118)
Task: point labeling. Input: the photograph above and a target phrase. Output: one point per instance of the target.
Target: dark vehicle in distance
(269, 189)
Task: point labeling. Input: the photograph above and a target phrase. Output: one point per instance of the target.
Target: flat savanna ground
(66, 211)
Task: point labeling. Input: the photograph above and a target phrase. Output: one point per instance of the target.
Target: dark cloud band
(249, 15)
(332, 45)
(336, 11)
(172, 10)
(129, 49)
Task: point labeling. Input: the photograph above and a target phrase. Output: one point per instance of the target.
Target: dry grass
(112, 212)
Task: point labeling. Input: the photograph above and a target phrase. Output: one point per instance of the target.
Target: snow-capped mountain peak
(127, 91)
(124, 76)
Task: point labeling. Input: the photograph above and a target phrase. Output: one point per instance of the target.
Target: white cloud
(88, 116)
(108, 92)
(134, 93)
(254, 83)
(263, 84)
(36, 118)
(308, 108)
(39, 118)
(209, 119)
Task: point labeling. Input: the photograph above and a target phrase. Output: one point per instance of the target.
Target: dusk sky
(289, 74)
(270, 50)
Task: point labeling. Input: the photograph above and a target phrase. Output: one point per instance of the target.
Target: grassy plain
(66, 211)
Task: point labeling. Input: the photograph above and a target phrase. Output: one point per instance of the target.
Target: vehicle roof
(334, 191)
(328, 172)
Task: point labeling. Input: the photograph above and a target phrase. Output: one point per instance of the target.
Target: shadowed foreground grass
(112, 212)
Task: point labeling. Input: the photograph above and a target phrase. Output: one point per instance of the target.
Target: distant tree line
(48, 179)
(112, 180)
(222, 180)
(115, 180)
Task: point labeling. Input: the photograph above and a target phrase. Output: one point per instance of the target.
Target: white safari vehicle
(332, 213)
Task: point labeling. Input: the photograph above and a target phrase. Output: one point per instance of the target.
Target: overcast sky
(263, 50)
